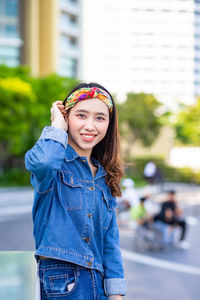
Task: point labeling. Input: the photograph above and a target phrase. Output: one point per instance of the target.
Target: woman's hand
(115, 297)
(59, 115)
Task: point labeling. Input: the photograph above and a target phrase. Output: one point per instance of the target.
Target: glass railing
(17, 276)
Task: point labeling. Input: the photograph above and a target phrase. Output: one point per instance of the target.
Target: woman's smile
(88, 137)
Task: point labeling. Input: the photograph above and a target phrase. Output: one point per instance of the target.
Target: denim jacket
(73, 212)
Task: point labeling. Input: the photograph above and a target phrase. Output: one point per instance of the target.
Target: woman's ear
(66, 118)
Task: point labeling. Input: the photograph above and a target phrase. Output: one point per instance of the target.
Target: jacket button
(89, 263)
(86, 239)
(91, 188)
(83, 160)
(90, 215)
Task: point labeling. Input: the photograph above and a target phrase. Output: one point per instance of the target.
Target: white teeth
(88, 136)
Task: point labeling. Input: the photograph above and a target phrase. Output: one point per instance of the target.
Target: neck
(81, 152)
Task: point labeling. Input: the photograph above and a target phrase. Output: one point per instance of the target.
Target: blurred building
(134, 46)
(143, 46)
(10, 39)
(43, 34)
(197, 47)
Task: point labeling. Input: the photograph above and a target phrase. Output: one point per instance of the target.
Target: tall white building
(197, 47)
(69, 52)
(141, 46)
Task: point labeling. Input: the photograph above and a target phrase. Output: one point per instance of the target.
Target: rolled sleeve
(114, 281)
(56, 134)
(115, 286)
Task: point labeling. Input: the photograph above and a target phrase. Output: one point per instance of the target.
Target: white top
(150, 169)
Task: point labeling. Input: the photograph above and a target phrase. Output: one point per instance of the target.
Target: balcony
(70, 51)
(70, 7)
(70, 29)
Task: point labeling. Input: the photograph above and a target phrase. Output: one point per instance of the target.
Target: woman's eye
(81, 115)
(100, 118)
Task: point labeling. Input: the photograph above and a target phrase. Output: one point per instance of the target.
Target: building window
(11, 7)
(68, 21)
(9, 18)
(68, 2)
(67, 66)
(9, 32)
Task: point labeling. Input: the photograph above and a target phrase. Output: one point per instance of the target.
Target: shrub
(135, 167)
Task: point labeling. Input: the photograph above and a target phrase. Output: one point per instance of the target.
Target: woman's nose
(89, 124)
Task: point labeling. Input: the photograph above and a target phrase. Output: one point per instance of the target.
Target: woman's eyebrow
(87, 111)
(82, 111)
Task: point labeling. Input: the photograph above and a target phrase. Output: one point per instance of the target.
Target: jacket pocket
(108, 205)
(60, 281)
(71, 191)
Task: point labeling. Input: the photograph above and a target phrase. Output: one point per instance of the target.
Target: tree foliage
(188, 125)
(16, 100)
(25, 109)
(138, 113)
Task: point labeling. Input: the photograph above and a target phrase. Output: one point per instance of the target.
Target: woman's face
(88, 122)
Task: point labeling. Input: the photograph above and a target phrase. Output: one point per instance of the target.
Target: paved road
(151, 275)
(166, 275)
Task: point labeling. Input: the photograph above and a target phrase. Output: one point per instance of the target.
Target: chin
(86, 147)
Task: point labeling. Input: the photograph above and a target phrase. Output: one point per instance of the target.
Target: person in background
(129, 196)
(172, 215)
(150, 172)
(140, 214)
(153, 174)
(158, 233)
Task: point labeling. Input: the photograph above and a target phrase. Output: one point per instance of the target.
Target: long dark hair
(107, 151)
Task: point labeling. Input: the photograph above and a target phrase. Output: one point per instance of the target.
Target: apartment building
(43, 34)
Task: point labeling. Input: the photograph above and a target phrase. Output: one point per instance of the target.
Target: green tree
(16, 101)
(24, 110)
(23, 72)
(47, 90)
(188, 124)
(139, 119)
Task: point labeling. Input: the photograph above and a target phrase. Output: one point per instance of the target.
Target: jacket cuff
(56, 134)
(115, 286)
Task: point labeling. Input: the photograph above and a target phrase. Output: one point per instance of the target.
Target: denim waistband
(50, 261)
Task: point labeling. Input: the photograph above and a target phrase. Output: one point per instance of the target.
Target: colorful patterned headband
(87, 93)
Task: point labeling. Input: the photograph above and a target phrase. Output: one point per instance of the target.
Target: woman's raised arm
(46, 156)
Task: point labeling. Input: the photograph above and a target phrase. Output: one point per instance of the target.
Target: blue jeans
(168, 236)
(68, 281)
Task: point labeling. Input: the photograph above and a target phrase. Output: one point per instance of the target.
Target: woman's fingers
(59, 115)
(52, 113)
(57, 110)
(60, 106)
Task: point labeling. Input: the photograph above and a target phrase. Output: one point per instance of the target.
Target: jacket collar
(71, 155)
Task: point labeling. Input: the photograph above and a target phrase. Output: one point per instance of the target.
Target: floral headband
(87, 93)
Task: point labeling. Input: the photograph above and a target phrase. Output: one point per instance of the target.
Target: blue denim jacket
(74, 213)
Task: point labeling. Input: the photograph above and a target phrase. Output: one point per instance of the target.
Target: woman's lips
(88, 137)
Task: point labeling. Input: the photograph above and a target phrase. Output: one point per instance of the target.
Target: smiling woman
(86, 126)
(76, 171)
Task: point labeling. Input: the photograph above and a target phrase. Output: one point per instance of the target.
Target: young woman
(75, 171)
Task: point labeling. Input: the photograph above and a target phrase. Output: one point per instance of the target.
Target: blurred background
(17, 275)
(147, 54)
